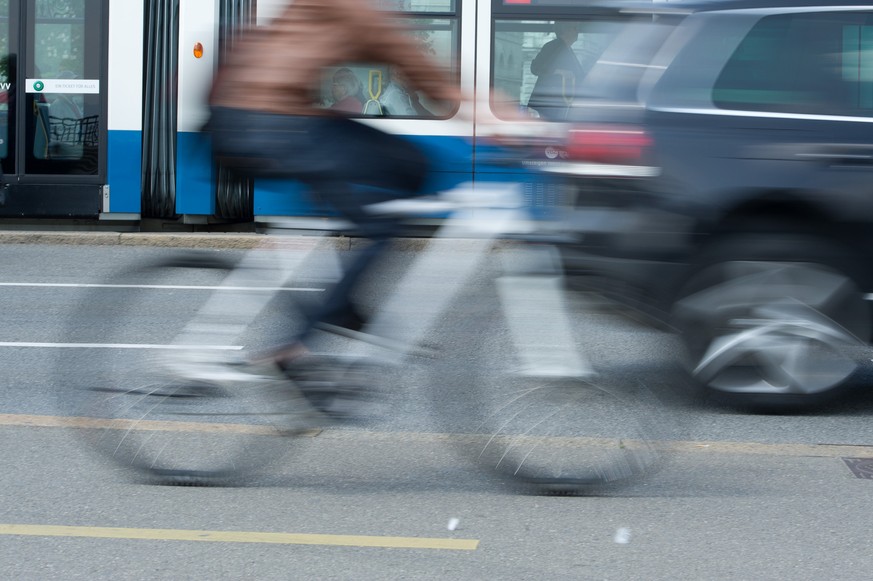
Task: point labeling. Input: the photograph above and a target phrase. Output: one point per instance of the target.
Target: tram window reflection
(537, 65)
(384, 91)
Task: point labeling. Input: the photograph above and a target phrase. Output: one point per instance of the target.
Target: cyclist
(265, 123)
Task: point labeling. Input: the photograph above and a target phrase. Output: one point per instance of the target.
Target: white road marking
(159, 287)
(119, 346)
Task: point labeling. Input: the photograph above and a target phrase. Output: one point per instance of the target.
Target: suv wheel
(773, 319)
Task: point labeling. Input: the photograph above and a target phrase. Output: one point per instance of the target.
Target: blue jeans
(345, 164)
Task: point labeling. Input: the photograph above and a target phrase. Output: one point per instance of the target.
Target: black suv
(722, 157)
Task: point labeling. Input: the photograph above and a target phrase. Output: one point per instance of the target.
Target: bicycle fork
(533, 298)
(531, 289)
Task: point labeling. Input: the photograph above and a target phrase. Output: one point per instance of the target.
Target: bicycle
(199, 412)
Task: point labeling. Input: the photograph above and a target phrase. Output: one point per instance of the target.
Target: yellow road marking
(33, 421)
(239, 537)
(786, 449)
(120, 424)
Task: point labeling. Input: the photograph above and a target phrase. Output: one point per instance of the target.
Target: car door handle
(838, 153)
(829, 153)
(845, 156)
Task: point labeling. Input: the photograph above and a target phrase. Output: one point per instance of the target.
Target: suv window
(815, 63)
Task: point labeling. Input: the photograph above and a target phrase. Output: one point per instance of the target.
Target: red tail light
(620, 144)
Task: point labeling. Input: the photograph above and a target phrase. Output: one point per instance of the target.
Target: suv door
(781, 103)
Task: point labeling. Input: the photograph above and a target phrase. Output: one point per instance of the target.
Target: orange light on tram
(198, 50)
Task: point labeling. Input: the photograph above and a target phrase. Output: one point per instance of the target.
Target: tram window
(532, 69)
(7, 78)
(381, 91)
(65, 122)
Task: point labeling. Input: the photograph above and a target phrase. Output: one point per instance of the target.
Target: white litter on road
(622, 536)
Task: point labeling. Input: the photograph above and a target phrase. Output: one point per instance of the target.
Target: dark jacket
(558, 74)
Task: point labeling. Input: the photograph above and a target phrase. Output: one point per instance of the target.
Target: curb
(181, 240)
(224, 241)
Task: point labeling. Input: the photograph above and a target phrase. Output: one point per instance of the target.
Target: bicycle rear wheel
(153, 386)
(557, 434)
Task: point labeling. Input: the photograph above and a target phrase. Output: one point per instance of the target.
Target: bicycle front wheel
(545, 421)
(562, 435)
(153, 385)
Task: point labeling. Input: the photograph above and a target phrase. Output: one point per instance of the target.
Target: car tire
(773, 320)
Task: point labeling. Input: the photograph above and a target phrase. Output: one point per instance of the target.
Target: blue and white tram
(102, 101)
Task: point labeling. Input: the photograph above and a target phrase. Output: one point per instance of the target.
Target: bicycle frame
(531, 288)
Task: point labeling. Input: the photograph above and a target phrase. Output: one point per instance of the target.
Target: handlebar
(464, 196)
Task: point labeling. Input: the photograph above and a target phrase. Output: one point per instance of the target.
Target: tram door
(52, 107)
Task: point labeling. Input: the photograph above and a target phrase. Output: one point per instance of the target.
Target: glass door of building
(52, 107)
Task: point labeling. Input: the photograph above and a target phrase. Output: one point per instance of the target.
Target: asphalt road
(742, 496)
